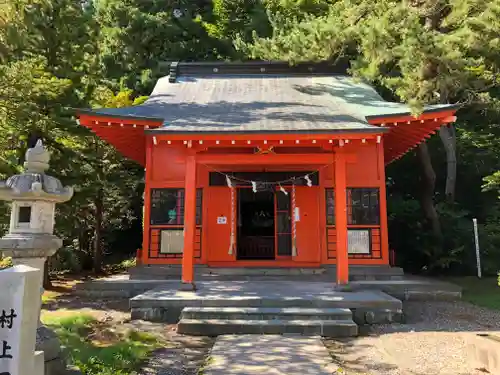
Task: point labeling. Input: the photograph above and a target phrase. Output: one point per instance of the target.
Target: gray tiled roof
(260, 103)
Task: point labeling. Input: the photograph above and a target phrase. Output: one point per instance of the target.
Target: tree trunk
(98, 202)
(436, 12)
(47, 284)
(427, 191)
(449, 139)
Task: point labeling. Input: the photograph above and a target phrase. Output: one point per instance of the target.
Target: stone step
(215, 327)
(412, 288)
(325, 272)
(266, 313)
(171, 271)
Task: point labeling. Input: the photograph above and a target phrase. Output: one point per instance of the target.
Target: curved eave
(401, 132)
(406, 131)
(117, 117)
(407, 116)
(126, 134)
(313, 132)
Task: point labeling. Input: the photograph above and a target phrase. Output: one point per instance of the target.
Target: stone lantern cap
(33, 183)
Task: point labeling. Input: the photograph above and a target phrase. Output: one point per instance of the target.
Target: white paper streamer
(282, 189)
(308, 180)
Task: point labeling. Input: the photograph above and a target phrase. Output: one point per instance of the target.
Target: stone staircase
(213, 321)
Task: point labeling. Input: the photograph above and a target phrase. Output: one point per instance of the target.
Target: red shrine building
(261, 164)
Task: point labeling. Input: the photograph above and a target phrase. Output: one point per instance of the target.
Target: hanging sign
(358, 241)
(221, 220)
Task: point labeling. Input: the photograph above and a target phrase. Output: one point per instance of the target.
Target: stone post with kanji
(33, 195)
(19, 291)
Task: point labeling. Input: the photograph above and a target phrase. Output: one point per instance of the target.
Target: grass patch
(50, 296)
(5, 262)
(483, 292)
(208, 361)
(122, 266)
(97, 348)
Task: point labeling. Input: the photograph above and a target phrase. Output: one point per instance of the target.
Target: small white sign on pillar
(19, 309)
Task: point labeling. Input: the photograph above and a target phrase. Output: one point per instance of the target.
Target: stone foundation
(55, 359)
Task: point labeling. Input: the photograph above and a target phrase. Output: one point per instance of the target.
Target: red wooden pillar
(189, 224)
(146, 212)
(384, 228)
(341, 217)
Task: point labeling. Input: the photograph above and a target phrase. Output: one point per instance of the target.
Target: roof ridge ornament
(37, 158)
(173, 70)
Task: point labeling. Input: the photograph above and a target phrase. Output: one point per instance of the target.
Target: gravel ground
(434, 341)
(185, 355)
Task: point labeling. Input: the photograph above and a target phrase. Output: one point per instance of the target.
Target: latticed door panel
(283, 224)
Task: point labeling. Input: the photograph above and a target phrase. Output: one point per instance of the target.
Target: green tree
(418, 52)
(137, 35)
(53, 66)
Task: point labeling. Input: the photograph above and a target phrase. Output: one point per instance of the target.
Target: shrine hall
(262, 164)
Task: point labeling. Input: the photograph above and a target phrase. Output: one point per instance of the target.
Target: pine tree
(422, 52)
(137, 35)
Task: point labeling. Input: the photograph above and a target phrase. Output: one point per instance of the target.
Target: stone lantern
(33, 196)
(31, 240)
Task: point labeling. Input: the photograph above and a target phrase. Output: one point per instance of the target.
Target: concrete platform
(165, 303)
(118, 286)
(269, 355)
(408, 288)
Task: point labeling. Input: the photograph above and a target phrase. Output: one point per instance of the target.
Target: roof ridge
(195, 68)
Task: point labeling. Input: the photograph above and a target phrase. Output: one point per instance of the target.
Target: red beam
(291, 159)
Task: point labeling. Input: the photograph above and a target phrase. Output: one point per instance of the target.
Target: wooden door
(308, 232)
(218, 224)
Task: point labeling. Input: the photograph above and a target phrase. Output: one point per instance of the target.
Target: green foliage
(489, 241)
(53, 68)
(482, 292)
(5, 263)
(67, 259)
(492, 182)
(237, 19)
(423, 53)
(137, 35)
(420, 53)
(121, 266)
(98, 349)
